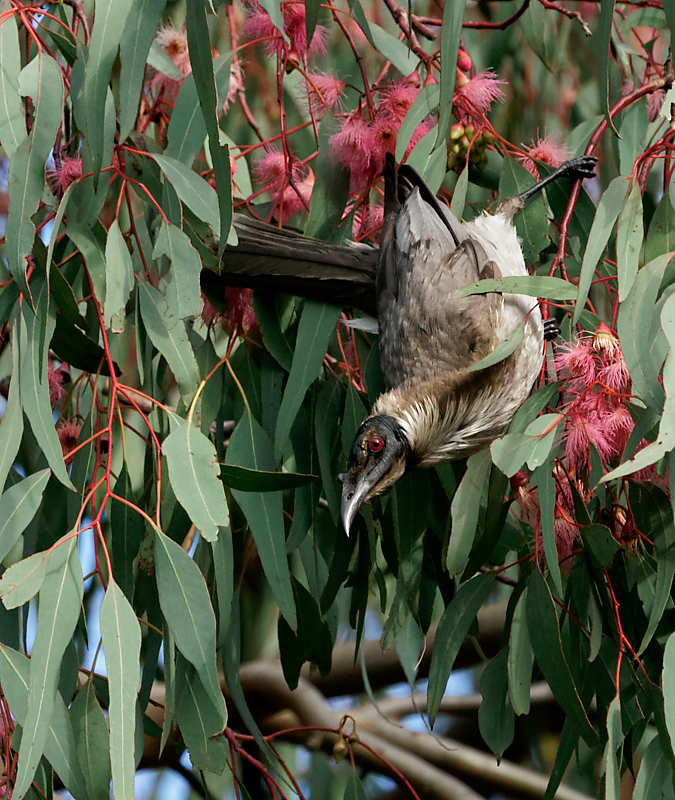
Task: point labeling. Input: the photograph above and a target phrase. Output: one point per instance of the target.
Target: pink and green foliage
(169, 463)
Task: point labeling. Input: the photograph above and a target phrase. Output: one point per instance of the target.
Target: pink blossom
(616, 376)
(235, 84)
(549, 150)
(619, 424)
(324, 90)
(260, 26)
(66, 170)
(353, 146)
(295, 197)
(397, 98)
(476, 95)
(55, 379)
(290, 192)
(175, 45)
(576, 360)
(270, 171)
(565, 533)
(240, 317)
(68, 433)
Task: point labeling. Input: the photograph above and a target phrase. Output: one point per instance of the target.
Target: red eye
(376, 444)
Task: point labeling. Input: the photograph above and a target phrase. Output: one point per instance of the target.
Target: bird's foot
(551, 329)
(579, 168)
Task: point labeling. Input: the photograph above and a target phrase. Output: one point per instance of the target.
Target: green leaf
(187, 608)
(106, 34)
(661, 234)
(655, 778)
(119, 275)
(393, 50)
(317, 323)
(502, 351)
(531, 224)
(629, 234)
(614, 740)
(23, 580)
(272, 313)
(495, 715)
(530, 285)
(121, 635)
(459, 194)
(11, 430)
(601, 43)
(199, 46)
(255, 480)
(60, 599)
(199, 721)
(609, 207)
(223, 567)
(35, 387)
(533, 446)
(520, 659)
(137, 37)
(465, 509)
(199, 196)
(18, 506)
(12, 120)
(425, 104)
(184, 293)
(194, 471)
(542, 621)
(93, 741)
(633, 325)
(428, 157)
(172, 342)
(251, 448)
(452, 629)
(632, 135)
(653, 513)
(59, 747)
(41, 81)
(545, 483)
(451, 30)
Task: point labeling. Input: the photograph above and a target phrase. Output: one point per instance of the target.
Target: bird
(435, 407)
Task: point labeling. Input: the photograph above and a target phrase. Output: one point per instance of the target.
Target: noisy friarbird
(434, 410)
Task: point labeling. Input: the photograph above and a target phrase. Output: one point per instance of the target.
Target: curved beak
(353, 494)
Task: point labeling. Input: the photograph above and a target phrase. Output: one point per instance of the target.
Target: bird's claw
(580, 168)
(551, 329)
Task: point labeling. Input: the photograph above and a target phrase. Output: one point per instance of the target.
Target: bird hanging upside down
(434, 410)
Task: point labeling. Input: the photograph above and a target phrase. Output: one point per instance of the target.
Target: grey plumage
(433, 409)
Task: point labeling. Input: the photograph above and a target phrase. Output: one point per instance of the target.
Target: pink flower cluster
(474, 96)
(597, 387)
(362, 144)
(549, 150)
(260, 26)
(289, 194)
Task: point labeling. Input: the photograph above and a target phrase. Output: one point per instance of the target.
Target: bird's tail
(273, 259)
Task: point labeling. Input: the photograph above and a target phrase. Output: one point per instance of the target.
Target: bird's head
(377, 459)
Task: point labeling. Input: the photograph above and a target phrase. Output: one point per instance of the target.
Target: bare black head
(377, 458)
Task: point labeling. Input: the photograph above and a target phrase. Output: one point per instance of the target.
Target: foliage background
(138, 413)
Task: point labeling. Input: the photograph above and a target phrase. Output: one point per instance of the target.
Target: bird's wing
(425, 329)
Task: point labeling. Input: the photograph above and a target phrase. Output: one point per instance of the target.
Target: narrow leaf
(186, 605)
(609, 207)
(251, 448)
(452, 628)
(121, 635)
(18, 506)
(464, 511)
(194, 471)
(12, 120)
(60, 599)
(119, 274)
(317, 323)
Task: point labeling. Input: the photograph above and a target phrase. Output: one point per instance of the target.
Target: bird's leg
(576, 168)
